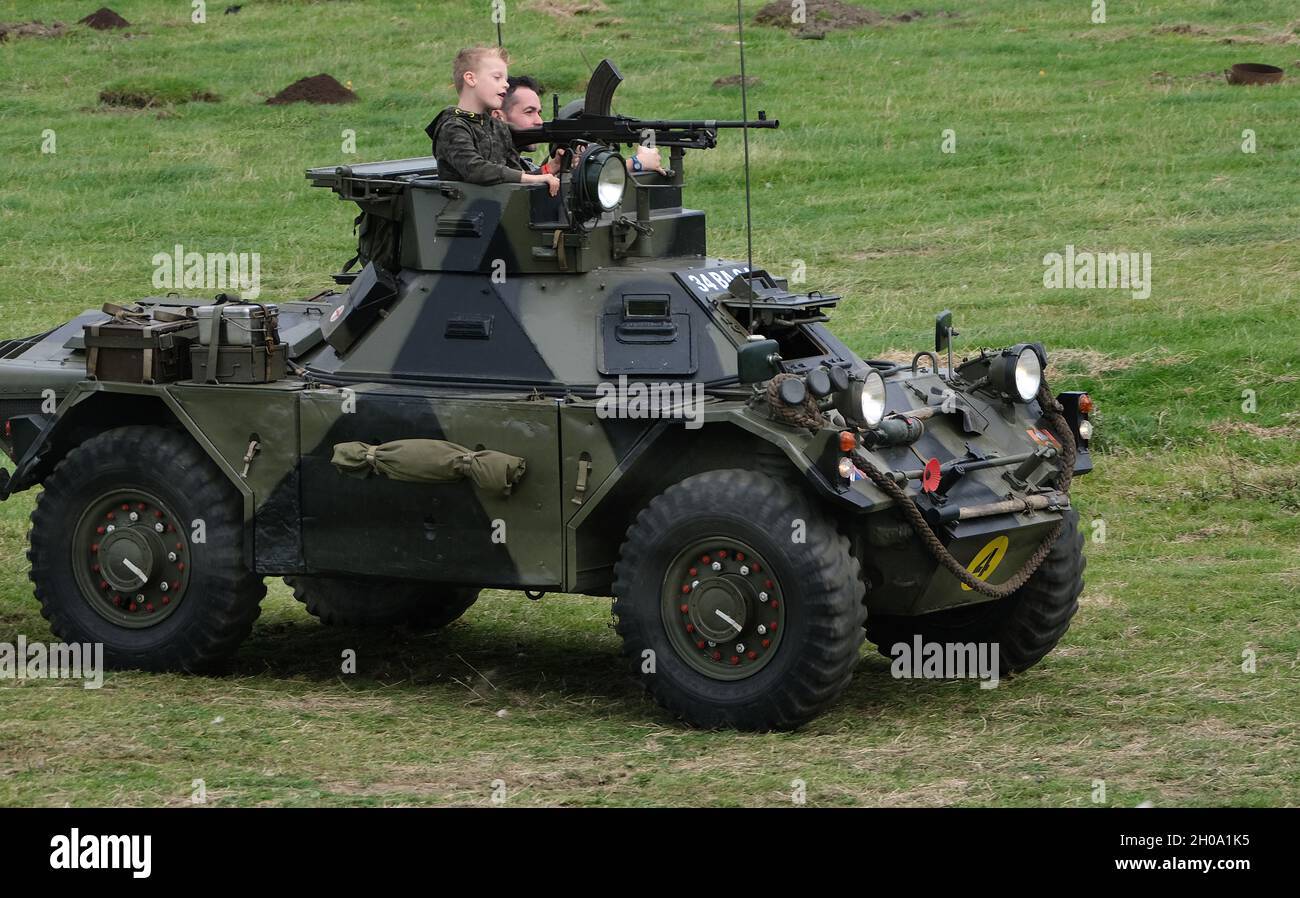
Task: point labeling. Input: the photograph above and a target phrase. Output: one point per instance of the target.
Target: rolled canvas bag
(431, 461)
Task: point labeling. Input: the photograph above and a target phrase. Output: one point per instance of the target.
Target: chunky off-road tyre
(739, 603)
(1026, 625)
(137, 543)
(367, 602)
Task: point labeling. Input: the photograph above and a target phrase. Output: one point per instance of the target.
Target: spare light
(873, 398)
(1017, 372)
(1029, 374)
(863, 402)
(601, 179)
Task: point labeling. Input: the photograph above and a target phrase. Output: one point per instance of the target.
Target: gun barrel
(698, 133)
(706, 124)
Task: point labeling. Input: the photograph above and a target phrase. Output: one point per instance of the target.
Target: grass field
(1121, 136)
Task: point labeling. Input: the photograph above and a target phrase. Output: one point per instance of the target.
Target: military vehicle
(505, 390)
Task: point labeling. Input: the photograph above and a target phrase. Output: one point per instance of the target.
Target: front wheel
(137, 543)
(1025, 626)
(738, 602)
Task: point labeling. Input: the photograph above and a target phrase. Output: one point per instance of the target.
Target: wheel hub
(130, 558)
(125, 556)
(722, 608)
(719, 609)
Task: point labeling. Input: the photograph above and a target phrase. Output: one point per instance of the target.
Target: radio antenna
(744, 130)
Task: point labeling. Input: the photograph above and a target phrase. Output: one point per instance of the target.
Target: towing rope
(1061, 430)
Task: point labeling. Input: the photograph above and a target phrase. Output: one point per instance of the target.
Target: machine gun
(592, 121)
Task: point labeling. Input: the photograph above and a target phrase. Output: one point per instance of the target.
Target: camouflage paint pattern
(504, 321)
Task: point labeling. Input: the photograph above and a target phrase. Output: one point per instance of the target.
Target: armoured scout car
(518, 392)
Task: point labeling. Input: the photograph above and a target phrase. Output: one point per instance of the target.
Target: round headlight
(1085, 430)
(611, 183)
(1028, 374)
(603, 177)
(873, 399)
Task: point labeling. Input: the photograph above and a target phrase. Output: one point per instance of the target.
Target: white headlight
(612, 181)
(873, 398)
(1029, 374)
(1085, 430)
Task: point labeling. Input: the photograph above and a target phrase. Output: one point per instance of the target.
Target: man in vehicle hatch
(522, 109)
(469, 143)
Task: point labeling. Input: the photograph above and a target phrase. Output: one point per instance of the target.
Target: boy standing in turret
(469, 143)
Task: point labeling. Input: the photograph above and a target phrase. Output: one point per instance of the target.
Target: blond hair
(467, 60)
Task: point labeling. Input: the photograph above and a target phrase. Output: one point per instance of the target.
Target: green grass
(1065, 134)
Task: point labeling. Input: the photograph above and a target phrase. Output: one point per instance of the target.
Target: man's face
(524, 111)
(488, 82)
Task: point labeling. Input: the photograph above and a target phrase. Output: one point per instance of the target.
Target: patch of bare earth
(1258, 431)
(566, 9)
(31, 29)
(1094, 363)
(1241, 528)
(1249, 33)
(735, 81)
(834, 15)
(867, 255)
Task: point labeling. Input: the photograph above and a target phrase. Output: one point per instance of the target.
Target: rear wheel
(137, 543)
(1026, 625)
(739, 604)
(370, 602)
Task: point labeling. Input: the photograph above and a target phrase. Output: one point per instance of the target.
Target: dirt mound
(31, 29)
(103, 19)
(316, 89)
